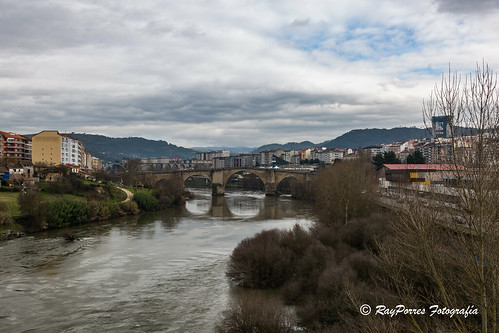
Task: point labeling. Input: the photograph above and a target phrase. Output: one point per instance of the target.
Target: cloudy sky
(232, 72)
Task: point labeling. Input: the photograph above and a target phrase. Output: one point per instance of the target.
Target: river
(156, 272)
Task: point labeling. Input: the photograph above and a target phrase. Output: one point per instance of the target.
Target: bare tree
(449, 238)
(345, 191)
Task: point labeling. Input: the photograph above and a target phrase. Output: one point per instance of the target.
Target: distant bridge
(271, 178)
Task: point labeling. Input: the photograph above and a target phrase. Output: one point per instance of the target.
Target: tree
(34, 207)
(447, 253)
(416, 158)
(130, 172)
(388, 157)
(346, 190)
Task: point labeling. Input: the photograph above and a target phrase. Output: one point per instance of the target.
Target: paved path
(129, 195)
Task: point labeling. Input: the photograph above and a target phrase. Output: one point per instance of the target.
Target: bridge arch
(229, 176)
(271, 178)
(198, 176)
(285, 182)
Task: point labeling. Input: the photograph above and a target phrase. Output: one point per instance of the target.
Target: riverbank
(59, 205)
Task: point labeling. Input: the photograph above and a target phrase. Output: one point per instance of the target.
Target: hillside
(233, 150)
(373, 136)
(355, 138)
(112, 149)
(287, 146)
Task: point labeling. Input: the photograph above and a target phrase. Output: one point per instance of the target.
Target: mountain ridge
(356, 138)
(112, 149)
(115, 149)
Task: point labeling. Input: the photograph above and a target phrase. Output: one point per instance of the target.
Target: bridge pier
(270, 189)
(217, 189)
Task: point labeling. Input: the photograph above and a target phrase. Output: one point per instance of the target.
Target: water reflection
(246, 205)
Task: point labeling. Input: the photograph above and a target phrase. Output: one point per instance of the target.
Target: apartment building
(91, 162)
(267, 156)
(373, 150)
(241, 161)
(210, 155)
(54, 148)
(15, 146)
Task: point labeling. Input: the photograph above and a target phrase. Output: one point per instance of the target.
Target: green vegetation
(416, 158)
(73, 201)
(69, 201)
(146, 200)
(66, 212)
(165, 194)
(9, 199)
(34, 208)
(388, 157)
(5, 218)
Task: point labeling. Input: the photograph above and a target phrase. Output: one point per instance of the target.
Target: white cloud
(231, 73)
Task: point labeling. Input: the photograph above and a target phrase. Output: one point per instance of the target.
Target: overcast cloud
(201, 73)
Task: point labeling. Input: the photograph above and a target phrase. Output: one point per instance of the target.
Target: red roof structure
(423, 167)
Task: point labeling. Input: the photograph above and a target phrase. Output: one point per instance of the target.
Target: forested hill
(356, 138)
(115, 149)
(374, 136)
(287, 146)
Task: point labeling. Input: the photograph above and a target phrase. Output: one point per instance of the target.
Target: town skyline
(230, 74)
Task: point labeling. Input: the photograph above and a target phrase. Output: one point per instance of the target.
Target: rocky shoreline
(10, 234)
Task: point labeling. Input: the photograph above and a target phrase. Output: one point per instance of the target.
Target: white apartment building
(71, 151)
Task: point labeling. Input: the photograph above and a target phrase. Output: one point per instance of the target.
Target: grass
(52, 196)
(140, 190)
(10, 199)
(118, 194)
(13, 227)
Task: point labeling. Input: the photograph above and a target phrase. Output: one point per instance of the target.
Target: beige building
(53, 148)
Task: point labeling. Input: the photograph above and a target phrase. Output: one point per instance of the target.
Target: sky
(232, 72)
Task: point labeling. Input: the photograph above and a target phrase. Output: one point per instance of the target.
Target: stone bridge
(271, 178)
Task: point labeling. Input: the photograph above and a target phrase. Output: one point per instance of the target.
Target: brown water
(158, 272)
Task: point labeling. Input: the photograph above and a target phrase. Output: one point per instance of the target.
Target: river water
(157, 272)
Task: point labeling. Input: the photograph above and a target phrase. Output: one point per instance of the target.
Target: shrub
(270, 258)
(129, 207)
(59, 187)
(169, 192)
(99, 211)
(363, 264)
(329, 303)
(363, 233)
(255, 314)
(307, 271)
(146, 201)
(3, 207)
(66, 212)
(33, 206)
(5, 219)
(297, 240)
(261, 262)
